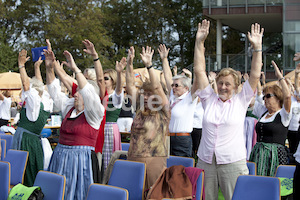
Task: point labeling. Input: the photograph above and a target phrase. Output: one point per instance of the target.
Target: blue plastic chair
(200, 185)
(52, 185)
(4, 179)
(252, 167)
(285, 171)
(179, 160)
(129, 175)
(3, 149)
(256, 187)
(104, 192)
(9, 140)
(18, 162)
(125, 146)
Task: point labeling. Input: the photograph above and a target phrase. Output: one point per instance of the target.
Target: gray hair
(37, 84)
(186, 82)
(94, 84)
(91, 74)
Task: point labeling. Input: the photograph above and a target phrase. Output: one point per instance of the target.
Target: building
(277, 16)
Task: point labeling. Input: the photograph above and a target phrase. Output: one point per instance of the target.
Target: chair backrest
(3, 149)
(52, 185)
(46, 132)
(200, 185)
(179, 160)
(129, 175)
(9, 139)
(125, 146)
(256, 187)
(103, 192)
(4, 179)
(285, 171)
(252, 167)
(18, 162)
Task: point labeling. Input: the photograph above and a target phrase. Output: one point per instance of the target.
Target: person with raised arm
(181, 99)
(150, 126)
(82, 115)
(33, 117)
(222, 151)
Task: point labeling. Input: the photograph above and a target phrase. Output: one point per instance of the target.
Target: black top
(126, 109)
(272, 132)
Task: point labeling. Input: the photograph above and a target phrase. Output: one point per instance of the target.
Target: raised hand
(246, 76)
(175, 70)
(22, 59)
(89, 48)
(70, 63)
(38, 62)
(278, 73)
(255, 37)
(187, 73)
(49, 48)
(211, 76)
(130, 55)
(146, 56)
(121, 65)
(296, 56)
(203, 31)
(49, 58)
(163, 51)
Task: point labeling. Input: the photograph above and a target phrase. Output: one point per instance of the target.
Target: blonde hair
(230, 71)
(90, 73)
(37, 84)
(113, 75)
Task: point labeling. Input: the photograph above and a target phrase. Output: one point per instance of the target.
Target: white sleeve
(118, 99)
(60, 99)
(285, 116)
(33, 103)
(258, 109)
(93, 109)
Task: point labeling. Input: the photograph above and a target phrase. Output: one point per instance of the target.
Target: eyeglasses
(175, 85)
(106, 78)
(268, 96)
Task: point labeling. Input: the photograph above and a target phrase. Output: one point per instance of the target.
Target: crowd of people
(216, 118)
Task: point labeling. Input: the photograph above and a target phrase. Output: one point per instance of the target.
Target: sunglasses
(175, 85)
(106, 78)
(268, 96)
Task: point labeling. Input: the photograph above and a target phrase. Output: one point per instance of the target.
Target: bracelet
(257, 50)
(78, 72)
(96, 59)
(281, 79)
(149, 67)
(21, 67)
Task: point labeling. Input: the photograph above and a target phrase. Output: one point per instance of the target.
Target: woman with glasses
(272, 127)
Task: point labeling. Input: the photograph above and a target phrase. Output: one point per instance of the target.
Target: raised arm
(146, 56)
(163, 52)
(130, 84)
(119, 68)
(72, 65)
(49, 62)
(37, 70)
(297, 72)
(175, 70)
(200, 78)
(66, 79)
(255, 38)
(90, 49)
(285, 88)
(22, 59)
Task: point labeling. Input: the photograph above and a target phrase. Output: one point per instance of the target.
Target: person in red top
(82, 115)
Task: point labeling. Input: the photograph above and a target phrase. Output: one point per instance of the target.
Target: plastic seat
(179, 160)
(9, 140)
(252, 167)
(129, 175)
(46, 132)
(4, 179)
(18, 162)
(3, 149)
(125, 146)
(285, 171)
(103, 192)
(52, 185)
(256, 187)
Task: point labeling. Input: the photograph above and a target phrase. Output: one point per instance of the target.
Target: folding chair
(125, 146)
(252, 167)
(3, 149)
(9, 140)
(256, 187)
(52, 185)
(4, 179)
(179, 160)
(129, 175)
(285, 171)
(103, 192)
(18, 162)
